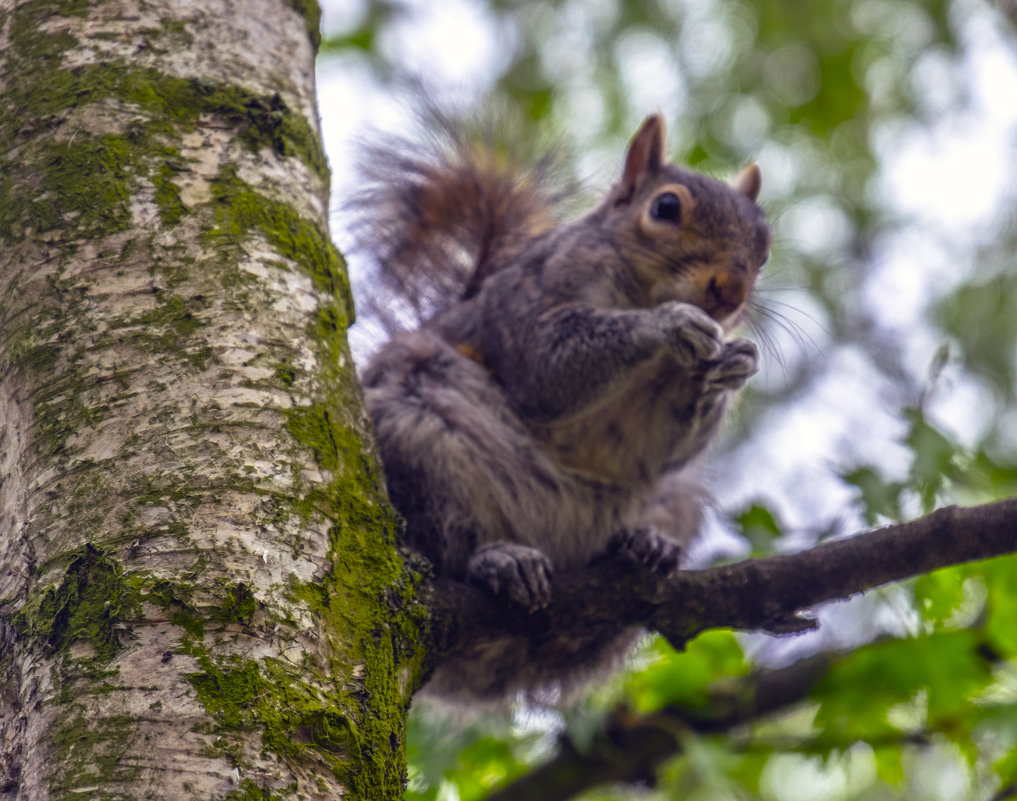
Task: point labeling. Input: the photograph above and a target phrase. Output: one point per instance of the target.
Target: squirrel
(552, 410)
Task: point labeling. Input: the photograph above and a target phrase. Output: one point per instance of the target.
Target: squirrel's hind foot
(649, 547)
(518, 572)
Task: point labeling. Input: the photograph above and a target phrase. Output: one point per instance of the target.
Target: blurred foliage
(909, 331)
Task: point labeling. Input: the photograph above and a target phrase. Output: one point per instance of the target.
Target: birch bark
(199, 593)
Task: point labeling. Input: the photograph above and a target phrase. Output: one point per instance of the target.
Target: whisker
(766, 318)
(770, 303)
(791, 327)
(767, 342)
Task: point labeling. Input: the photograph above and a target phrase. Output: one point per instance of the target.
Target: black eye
(666, 206)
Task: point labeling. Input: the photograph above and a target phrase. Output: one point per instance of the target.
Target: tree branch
(768, 594)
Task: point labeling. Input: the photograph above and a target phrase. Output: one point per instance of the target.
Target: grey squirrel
(552, 410)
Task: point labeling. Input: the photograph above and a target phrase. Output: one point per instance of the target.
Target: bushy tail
(438, 213)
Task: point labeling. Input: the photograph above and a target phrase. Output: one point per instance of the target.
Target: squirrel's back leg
(479, 496)
(660, 532)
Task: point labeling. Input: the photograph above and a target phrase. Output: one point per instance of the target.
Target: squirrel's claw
(649, 547)
(738, 362)
(690, 333)
(518, 572)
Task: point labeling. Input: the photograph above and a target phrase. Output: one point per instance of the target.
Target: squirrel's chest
(630, 434)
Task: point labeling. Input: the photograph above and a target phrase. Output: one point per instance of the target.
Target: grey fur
(556, 412)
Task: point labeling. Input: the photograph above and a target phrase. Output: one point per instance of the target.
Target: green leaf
(933, 457)
(685, 678)
(759, 526)
(947, 669)
(880, 498)
(940, 594)
(1006, 768)
(889, 765)
(1001, 606)
(990, 477)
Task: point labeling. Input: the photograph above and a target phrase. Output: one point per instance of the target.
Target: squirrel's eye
(666, 206)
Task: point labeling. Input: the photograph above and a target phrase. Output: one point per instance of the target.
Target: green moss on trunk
(342, 710)
(86, 606)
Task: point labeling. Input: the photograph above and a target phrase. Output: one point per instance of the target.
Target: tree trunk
(199, 592)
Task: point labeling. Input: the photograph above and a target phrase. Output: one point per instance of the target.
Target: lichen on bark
(201, 580)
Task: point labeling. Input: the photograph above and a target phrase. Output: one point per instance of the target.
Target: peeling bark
(199, 591)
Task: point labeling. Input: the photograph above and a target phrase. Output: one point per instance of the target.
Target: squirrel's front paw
(649, 547)
(691, 335)
(519, 572)
(737, 363)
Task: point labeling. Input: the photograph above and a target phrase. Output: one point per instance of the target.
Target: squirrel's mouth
(723, 299)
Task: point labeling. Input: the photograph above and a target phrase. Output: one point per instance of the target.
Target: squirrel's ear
(749, 181)
(645, 156)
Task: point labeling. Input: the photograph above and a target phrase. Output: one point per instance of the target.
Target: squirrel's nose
(725, 293)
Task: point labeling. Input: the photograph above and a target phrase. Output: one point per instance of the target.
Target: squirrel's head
(685, 236)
